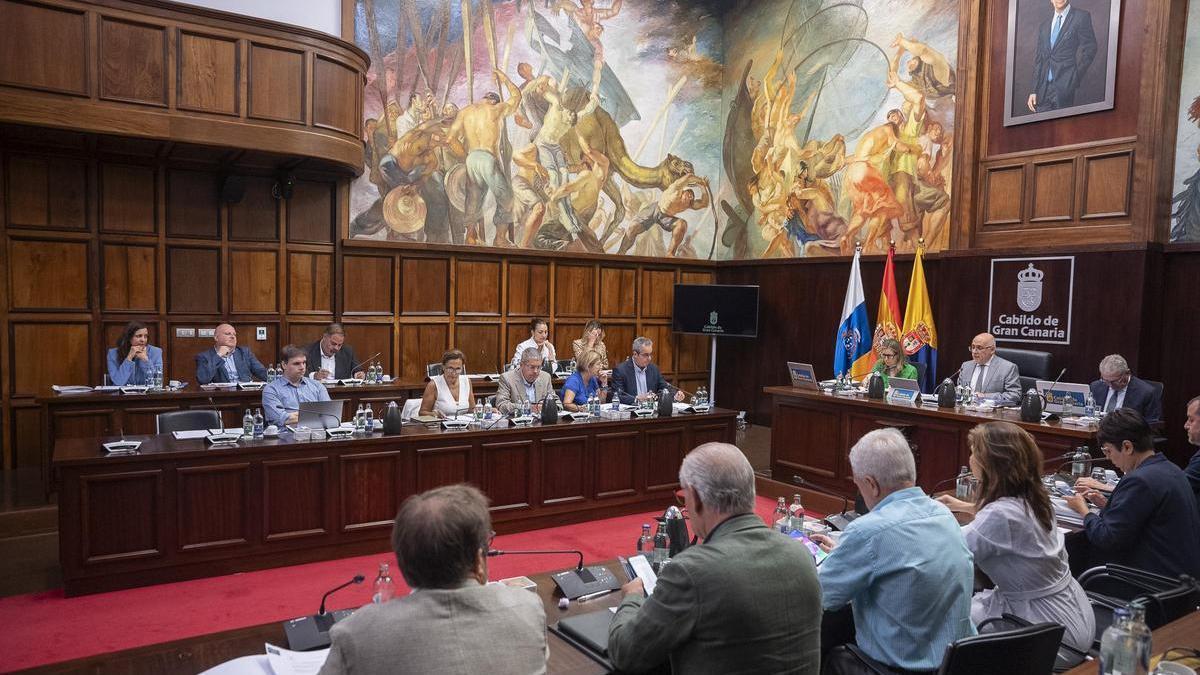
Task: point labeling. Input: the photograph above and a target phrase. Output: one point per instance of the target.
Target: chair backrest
(187, 420)
(411, 407)
(1032, 649)
(433, 369)
(921, 367)
(1033, 364)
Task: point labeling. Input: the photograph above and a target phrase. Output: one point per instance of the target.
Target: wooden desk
(192, 655)
(185, 509)
(812, 433)
(1184, 632)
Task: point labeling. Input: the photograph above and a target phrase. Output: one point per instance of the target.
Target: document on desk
(192, 433)
(287, 662)
(643, 570)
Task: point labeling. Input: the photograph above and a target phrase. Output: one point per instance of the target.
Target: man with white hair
(903, 568)
(1118, 388)
(526, 383)
(745, 601)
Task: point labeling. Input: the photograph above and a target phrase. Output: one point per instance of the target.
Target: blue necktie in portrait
(1053, 39)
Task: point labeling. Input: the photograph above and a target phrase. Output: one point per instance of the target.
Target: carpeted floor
(46, 627)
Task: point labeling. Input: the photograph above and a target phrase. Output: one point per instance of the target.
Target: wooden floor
(29, 537)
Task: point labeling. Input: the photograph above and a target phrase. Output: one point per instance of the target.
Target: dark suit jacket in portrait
(1139, 395)
(210, 368)
(624, 381)
(747, 600)
(343, 361)
(1058, 70)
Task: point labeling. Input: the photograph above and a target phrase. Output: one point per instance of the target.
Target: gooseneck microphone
(358, 579)
(495, 552)
(838, 521)
(581, 582)
(312, 631)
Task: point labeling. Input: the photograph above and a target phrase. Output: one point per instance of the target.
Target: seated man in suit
(453, 621)
(226, 361)
(331, 357)
(636, 378)
(990, 375)
(1192, 426)
(1118, 388)
(746, 600)
(904, 568)
(527, 383)
(281, 397)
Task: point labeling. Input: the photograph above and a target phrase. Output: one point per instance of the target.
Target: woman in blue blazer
(134, 359)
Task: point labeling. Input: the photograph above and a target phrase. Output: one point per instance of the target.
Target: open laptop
(803, 376)
(1055, 396)
(320, 414)
(903, 383)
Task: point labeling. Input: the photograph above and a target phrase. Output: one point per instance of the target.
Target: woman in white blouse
(1014, 537)
(539, 339)
(448, 394)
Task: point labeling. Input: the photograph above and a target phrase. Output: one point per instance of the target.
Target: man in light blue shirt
(904, 567)
(281, 397)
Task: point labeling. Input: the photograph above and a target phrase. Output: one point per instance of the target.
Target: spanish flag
(919, 338)
(852, 344)
(887, 321)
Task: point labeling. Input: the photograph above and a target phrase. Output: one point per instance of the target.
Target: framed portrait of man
(1061, 58)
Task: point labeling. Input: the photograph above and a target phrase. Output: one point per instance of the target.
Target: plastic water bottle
(796, 515)
(645, 543)
(368, 419)
(1141, 635)
(962, 485)
(487, 410)
(247, 424)
(1089, 405)
(662, 544)
(1068, 405)
(1081, 464)
(359, 415)
(259, 425)
(271, 372)
(780, 518)
(384, 588)
(1119, 648)
(478, 410)
(702, 394)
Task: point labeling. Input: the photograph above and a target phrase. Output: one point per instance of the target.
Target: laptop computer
(803, 376)
(320, 414)
(1055, 396)
(903, 383)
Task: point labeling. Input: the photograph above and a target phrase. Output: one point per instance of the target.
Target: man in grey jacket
(744, 601)
(990, 375)
(452, 622)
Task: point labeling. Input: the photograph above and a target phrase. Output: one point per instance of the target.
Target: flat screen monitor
(711, 309)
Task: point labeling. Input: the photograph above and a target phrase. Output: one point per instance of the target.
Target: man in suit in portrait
(453, 621)
(1118, 388)
(331, 357)
(636, 378)
(226, 361)
(525, 383)
(746, 600)
(990, 374)
(1066, 46)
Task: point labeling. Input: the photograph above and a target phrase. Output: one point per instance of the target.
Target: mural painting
(1185, 203)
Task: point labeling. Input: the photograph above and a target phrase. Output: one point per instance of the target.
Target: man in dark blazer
(1118, 388)
(226, 361)
(635, 378)
(332, 347)
(1066, 46)
(747, 600)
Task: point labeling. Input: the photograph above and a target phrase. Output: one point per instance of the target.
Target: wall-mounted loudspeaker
(284, 186)
(233, 188)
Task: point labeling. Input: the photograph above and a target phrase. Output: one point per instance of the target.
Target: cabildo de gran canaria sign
(1030, 299)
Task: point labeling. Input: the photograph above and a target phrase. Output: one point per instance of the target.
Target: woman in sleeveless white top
(448, 398)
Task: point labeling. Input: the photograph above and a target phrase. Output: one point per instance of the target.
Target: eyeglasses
(889, 356)
(977, 348)
(1120, 379)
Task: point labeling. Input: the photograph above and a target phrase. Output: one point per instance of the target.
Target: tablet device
(904, 383)
(818, 555)
(320, 414)
(803, 376)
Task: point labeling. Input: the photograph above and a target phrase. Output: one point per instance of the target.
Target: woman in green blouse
(893, 362)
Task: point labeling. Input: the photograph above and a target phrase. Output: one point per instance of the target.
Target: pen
(597, 594)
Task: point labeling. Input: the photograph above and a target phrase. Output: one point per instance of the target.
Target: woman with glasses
(893, 362)
(134, 359)
(1150, 520)
(448, 394)
(1013, 534)
(587, 379)
(592, 340)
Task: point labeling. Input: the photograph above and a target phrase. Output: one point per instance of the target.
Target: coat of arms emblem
(1029, 288)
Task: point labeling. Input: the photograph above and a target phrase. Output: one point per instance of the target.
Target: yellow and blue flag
(919, 336)
(852, 348)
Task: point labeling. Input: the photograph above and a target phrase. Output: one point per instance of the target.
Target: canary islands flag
(919, 337)
(852, 348)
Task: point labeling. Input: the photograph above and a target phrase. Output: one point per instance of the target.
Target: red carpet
(42, 628)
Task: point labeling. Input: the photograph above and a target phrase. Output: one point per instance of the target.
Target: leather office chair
(1067, 658)
(1032, 365)
(1029, 649)
(1111, 586)
(921, 367)
(187, 420)
(433, 369)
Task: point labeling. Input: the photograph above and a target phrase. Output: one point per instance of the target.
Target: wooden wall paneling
(180, 352)
(618, 291)
(1053, 188)
(692, 353)
(304, 334)
(1003, 194)
(618, 340)
(208, 75)
(123, 43)
(614, 465)
(518, 332)
(192, 204)
(574, 290)
(480, 343)
(256, 216)
(68, 341)
(422, 344)
(369, 338)
(505, 476)
(367, 285)
(664, 453)
(664, 347)
(310, 212)
(424, 286)
(293, 498)
(253, 281)
(565, 332)
(564, 472)
(128, 198)
(48, 275)
(47, 192)
(695, 277)
(276, 82)
(267, 351)
(214, 506)
(657, 293)
(130, 276)
(108, 533)
(445, 465)
(193, 280)
(1107, 185)
(476, 287)
(310, 283)
(28, 439)
(370, 491)
(334, 83)
(528, 289)
(44, 48)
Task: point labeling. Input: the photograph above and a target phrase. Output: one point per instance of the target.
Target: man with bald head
(746, 600)
(226, 361)
(990, 375)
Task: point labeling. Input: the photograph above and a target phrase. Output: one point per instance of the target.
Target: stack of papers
(219, 385)
(1081, 421)
(71, 388)
(287, 662)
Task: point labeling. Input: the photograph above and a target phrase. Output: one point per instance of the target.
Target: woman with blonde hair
(1014, 537)
(592, 340)
(893, 362)
(587, 379)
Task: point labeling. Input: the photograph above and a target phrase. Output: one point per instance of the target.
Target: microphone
(951, 378)
(1049, 389)
(579, 566)
(354, 366)
(312, 631)
(574, 583)
(838, 521)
